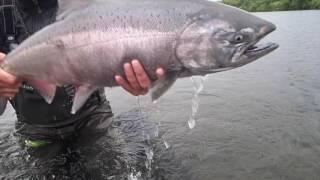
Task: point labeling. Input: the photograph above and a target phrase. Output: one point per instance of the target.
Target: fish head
(223, 39)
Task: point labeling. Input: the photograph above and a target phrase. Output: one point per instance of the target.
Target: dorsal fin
(67, 6)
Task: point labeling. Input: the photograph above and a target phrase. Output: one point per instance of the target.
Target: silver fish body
(92, 39)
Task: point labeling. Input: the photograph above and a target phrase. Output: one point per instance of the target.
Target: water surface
(260, 121)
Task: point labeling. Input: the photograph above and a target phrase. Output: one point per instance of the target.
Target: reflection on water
(260, 121)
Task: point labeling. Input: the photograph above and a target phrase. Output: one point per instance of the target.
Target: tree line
(274, 5)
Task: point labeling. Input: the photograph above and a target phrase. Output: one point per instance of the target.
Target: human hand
(137, 82)
(9, 84)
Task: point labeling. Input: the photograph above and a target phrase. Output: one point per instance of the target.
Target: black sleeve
(21, 18)
(37, 14)
(31, 7)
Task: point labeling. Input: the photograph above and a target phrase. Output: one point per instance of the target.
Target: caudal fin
(3, 105)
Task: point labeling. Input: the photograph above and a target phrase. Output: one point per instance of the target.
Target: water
(198, 85)
(261, 121)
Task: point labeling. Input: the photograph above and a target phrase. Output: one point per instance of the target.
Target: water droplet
(132, 176)
(28, 157)
(166, 144)
(150, 154)
(156, 132)
(198, 85)
(192, 123)
(110, 177)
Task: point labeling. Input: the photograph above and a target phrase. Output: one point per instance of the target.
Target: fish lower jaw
(259, 50)
(252, 53)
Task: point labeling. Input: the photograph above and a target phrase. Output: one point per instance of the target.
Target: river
(260, 121)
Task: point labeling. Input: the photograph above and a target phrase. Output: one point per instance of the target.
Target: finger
(160, 73)
(144, 91)
(141, 74)
(8, 95)
(125, 85)
(131, 76)
(8, 91)
(12, 86)
(2, 56)
(7, 78)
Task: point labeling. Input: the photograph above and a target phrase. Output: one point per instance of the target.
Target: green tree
(274, 5)
(315, 4)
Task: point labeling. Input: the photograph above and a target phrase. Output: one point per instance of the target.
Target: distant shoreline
(275, 5)
(285, 10)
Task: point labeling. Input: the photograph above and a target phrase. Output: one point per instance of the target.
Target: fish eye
(238, 38)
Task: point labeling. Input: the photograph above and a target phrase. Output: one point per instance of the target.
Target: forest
(274, 5)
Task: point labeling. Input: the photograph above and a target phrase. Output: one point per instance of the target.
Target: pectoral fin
(82, 94)
(45, 89)
(160, 86)
(3, 104)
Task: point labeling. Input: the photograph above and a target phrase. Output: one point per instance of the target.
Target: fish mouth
(252, 53)
(259, 50)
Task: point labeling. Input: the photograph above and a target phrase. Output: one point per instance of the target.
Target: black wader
(47, 124)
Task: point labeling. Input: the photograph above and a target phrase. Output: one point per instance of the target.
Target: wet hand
(137, 82)
(9, 84)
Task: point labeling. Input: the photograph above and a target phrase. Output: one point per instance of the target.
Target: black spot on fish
(59, 44)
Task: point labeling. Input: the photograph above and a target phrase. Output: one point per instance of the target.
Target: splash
(198, 85)
(133, 176)
(166, 144)
(141, 115)
(148, 149)
(156, 132)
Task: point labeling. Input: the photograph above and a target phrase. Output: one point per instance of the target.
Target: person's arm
(9, 84)
(137, 81)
